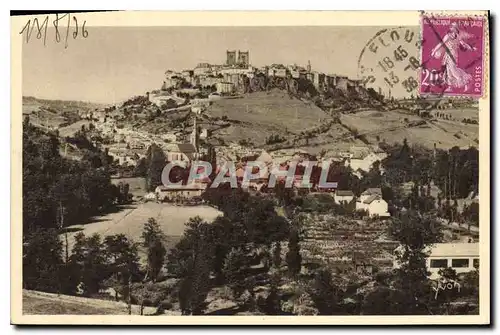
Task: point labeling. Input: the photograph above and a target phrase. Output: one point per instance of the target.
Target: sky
(116, 63)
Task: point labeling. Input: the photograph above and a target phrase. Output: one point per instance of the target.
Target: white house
(363, 157)
(343, 196)
(362, 161)
(162, 98)
(183, 192)
(462, 257)
(372, 202)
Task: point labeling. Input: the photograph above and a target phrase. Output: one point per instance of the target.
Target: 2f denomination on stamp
(452, 56)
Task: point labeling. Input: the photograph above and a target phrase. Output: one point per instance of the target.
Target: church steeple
(194, 134)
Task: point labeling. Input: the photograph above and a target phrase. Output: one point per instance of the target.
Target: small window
(475, 263)
(460, 263)
(439, 263)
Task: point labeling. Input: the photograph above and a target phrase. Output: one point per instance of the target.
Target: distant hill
(55, 113)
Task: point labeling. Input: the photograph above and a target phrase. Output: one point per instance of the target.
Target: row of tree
(455, 172)
(94, 264)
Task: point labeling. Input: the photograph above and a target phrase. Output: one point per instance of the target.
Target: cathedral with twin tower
(237, 57)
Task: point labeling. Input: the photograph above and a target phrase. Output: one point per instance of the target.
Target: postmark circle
(389, 61)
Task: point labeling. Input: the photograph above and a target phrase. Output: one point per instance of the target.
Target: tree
(152, 240)
(156, 256)
(448, 273)
(151, 232)
(89, 258)
(471, 213)
(384, 301)
(147, 294)
(277, 254)
(414, 232)
(51, 182)
(373, 178)
(273, 300)
(235, 270)
(42, 261)
(155, 161)
(123, 195)
(123, 260)
(324, 293)
(191, 260)
(293, 257)
(141, 168)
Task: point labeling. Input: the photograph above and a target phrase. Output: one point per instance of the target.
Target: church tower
(194, 134)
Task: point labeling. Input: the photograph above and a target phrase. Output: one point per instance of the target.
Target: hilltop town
(396, 162)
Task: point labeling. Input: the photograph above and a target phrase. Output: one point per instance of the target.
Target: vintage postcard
(245, 168)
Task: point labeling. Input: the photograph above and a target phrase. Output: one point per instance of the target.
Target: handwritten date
(61, 32)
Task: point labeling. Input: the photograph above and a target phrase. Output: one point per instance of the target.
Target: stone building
(239, 57)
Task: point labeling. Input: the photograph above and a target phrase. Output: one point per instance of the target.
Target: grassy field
(390, 126)
(71, 129)
(130, 221)
(372, 121)
(260, 114)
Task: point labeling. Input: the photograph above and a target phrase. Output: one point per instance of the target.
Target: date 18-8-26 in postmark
(452, 56)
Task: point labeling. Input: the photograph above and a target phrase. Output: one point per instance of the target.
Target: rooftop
(265, 157)
(186, 148)
(373, 191)
(188, 187)
(455, 249)
(372, 198)
(344, 193)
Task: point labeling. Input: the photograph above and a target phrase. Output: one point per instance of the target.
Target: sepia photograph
(319, 170)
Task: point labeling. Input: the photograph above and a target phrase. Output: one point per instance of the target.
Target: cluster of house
(370, 200)
(359, 158)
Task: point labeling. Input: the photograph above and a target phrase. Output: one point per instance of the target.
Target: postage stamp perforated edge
(485, 49)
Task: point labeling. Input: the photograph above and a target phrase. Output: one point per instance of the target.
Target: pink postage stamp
(452, 56)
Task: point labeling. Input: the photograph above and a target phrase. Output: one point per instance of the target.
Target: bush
(164, 305)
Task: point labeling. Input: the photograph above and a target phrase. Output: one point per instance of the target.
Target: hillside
(254, 117)
(275, 120)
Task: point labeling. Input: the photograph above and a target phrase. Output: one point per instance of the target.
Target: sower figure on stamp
(448, 49)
